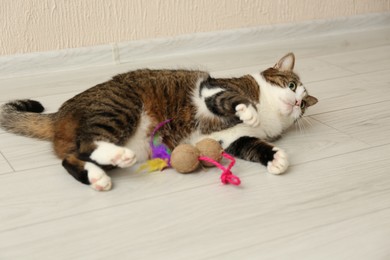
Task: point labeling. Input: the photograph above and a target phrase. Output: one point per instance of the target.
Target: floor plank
(26, 153)
(360, 61)
(312, 140)
(367, 233)
(267, 209)
(46, 193)
(347, 92)
(5, 167)
(368, 123)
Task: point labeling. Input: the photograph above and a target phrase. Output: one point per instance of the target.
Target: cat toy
(186, 158)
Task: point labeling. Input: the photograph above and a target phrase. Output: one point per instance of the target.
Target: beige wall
(42, 25)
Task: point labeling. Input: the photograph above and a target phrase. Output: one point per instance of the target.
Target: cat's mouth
(290, 108)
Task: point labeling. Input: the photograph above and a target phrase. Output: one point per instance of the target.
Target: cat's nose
(298, 102)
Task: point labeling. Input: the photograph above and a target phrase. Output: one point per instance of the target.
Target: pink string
(227, 176)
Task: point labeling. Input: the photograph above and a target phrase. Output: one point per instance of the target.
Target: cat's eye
(292, 86)
(303, 104)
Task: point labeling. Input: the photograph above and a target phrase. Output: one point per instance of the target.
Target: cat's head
(290, 94)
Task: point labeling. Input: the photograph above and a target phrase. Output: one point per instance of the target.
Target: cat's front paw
(247, 114)
(108, 153)
(280, 162)
(124, 158)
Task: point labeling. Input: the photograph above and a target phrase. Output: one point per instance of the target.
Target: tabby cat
(109, 125)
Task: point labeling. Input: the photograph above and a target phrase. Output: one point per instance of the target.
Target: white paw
(123, 158)
(108, 153)
(98, 178)
(280, 162)
(247, 114)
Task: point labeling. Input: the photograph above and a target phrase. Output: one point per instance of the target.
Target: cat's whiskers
(303, 123)
(300, 126)
(307, 120)
(297, 125)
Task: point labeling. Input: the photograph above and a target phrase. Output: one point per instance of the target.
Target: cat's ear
(286, 63)
(310, 100)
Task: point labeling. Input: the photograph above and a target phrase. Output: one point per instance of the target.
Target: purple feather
(160, 150)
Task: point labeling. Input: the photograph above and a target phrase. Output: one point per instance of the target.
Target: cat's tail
(24, 117)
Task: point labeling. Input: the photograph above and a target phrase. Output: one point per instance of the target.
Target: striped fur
(199, 105)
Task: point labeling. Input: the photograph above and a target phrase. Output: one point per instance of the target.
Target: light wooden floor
(333, 203)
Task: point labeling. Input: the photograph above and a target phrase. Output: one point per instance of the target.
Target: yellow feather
(153, 165)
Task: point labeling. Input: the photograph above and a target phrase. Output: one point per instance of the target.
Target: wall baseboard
(127, 52)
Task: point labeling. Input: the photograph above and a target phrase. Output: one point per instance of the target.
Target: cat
(109, 125)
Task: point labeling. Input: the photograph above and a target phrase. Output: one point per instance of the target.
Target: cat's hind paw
(99, 180)
(280, 162)
(247, 114)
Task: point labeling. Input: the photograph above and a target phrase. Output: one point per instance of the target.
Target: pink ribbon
(227, 177)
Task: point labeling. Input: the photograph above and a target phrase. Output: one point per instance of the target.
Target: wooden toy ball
(185, 157)
(210, 148)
